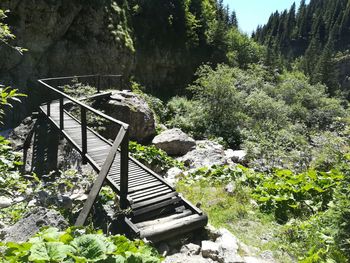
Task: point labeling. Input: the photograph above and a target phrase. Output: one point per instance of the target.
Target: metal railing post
(124, 171)
(61, 114)
(83, 133)
(48, 109)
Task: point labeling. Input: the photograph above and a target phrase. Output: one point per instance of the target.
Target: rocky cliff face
(67, 37)
(64, 37)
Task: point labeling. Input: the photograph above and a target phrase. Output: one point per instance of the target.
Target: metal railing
(121, 140)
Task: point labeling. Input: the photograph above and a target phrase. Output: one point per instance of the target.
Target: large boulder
(174, 142)
(206, 153)
(31, 223)
(132, 109)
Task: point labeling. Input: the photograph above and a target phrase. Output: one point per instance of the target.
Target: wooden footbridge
(156, 210)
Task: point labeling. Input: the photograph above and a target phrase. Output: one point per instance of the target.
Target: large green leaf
(93, 247)
(51, 251)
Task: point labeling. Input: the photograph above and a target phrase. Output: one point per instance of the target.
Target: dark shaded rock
(174, 142)
(32, 222)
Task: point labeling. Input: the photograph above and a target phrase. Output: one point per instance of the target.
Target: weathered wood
(124, 171)
(154, 200)
(61, 114)
(174, 227)
(162, 220)
(156, 206)
(151, 195)
(100, 179)
(83, 132)
(145, 186)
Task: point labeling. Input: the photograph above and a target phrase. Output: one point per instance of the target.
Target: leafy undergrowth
(78, 245)
(303, 215)
(153, 157)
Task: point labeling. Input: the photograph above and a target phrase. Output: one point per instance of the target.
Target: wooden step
(174, 227)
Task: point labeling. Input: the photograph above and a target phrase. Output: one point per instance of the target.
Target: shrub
(153, 157)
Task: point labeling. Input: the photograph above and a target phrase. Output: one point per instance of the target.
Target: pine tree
(233, 19)
(325, 69)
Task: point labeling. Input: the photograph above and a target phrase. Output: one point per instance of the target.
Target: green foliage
(279, 119)
(153, 157)
(187, 115)
(6, 34)
(12, 184)
(313, 206)
(7, 95)
(77, 245)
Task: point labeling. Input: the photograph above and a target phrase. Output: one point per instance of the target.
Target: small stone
(238, 156)
(210, 249)
(227, 241)
(65, 201)
(212, 232)
(267, 255)
(32, 203)
(2, 225)
(230, 188)
(172, 174)
(190, 249)
(5, 202)
(247, 250)
(163, 249)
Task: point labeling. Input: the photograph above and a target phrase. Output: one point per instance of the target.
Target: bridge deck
(157, 210)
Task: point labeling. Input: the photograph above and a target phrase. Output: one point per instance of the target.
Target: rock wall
(63, 37)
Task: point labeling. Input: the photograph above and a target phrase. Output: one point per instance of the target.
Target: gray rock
(230, 188)
(212, 232)
(172, 174)
(134, 110)
(20, 133)
(210, 249)
(239, 156)
(206, 153)
(182, 258)
(174, 142)
(227, 241)
(31, 223)
(228, 247)
(267, 255)
(190, 249)
(5, 202)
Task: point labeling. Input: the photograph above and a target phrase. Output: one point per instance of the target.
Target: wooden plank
(145, 186)
(141, 182)
(160, 190)
(152, 195)
(156, 206)
(124, 170)
(163, 219)
(148, 190)
(174, 227)
(152, 201)
(100, 179)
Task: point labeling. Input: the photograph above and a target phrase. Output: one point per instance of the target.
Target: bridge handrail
(97, 112)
